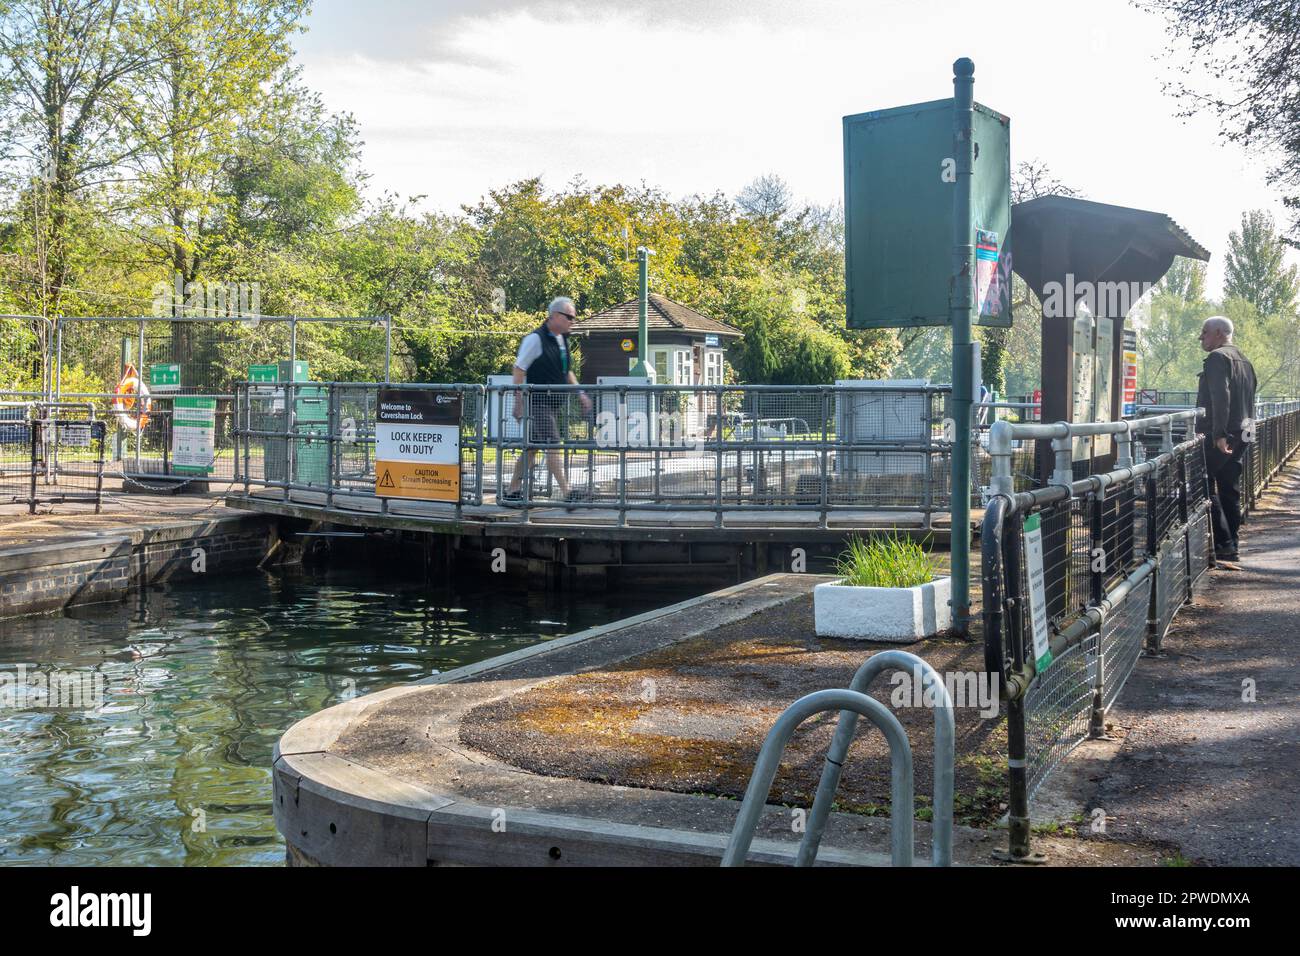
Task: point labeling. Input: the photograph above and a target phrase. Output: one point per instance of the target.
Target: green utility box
(310, 418)
(899, 184)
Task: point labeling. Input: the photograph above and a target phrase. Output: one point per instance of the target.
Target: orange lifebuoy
(130, 390)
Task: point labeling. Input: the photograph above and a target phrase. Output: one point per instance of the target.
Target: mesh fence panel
(1171, 584)
(1198, 542)
(1057, 706)
(1122, 637)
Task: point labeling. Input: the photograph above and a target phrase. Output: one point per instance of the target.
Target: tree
(1255, 269)
(1168, 354)
(767, 197)
(1249, 46)
(63, 62)
(215, 58)
(293, 169)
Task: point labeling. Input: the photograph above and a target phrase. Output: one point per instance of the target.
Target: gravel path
(1201, 767)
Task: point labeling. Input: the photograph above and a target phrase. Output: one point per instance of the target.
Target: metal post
(1153, 554)
(963, 82)
(34, 424)
(99, 467)
(1097, 720)
(388, 348)
(332, 443)
(290, 448)
(823, 498)
(139, 402)
(58, 360)
(642, 367)
(717, 469)
(293, 344)
(247, 419)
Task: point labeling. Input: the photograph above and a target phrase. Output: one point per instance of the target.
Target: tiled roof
(661, 313)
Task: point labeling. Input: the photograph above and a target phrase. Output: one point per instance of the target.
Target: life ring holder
(130, 393)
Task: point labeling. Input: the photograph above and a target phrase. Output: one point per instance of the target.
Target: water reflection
(202, 679)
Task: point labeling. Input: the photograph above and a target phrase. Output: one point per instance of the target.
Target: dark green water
(202, 679)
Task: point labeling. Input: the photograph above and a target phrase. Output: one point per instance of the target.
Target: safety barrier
(1081, 576)
(35, 437)
(819, 449)
(140, 433)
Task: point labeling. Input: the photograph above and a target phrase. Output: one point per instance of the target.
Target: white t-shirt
(531, 347)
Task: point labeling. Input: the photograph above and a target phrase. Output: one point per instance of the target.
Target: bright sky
(456, 97)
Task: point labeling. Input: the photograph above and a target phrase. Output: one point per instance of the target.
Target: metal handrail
(901, 807)
(945, 731)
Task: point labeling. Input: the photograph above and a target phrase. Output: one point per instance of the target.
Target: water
(201, 679)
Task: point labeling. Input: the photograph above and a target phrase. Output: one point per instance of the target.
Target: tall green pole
(641, 369)
(960, 304)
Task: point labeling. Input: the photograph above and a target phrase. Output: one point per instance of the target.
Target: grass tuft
(891, 561)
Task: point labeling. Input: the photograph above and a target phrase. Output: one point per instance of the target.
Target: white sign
(194, 423)
(75, 436)
(1037, 594)
(435, 444)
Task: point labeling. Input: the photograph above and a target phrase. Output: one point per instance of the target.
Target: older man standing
(544, 359)
(1227, 393)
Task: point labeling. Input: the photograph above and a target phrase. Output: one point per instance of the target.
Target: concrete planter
(900, 615)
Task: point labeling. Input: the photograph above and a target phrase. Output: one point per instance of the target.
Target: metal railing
(854, 703)
(1115, 556)
(35, 437)
(623, 449)
(140, 438)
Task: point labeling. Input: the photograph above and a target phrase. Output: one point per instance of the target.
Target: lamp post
(642, 369)
(963, 72)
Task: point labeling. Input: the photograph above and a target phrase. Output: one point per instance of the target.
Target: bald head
(1216, 332)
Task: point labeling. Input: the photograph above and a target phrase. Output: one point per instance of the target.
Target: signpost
(417, 444)
(266, 373)
(165, 378)
(194, 426)
(927, 205)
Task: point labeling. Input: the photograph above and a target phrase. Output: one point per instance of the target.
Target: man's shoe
(1225, 555)
(572, 498)
(510, 498)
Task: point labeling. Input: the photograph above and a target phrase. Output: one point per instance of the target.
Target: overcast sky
(455, 98)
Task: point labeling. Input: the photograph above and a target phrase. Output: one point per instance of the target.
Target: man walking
(1227, 393)
(543, 359)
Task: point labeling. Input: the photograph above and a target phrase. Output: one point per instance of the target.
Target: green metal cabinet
(898, 209)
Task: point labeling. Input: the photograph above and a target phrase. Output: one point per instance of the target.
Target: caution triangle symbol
(387, 480)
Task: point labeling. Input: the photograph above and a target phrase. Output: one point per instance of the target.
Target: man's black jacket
(1226, 392)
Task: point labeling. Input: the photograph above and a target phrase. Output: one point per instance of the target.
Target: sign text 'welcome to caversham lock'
(417, 444)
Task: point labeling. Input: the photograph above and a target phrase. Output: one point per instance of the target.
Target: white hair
(1219, 323)
(558, 303)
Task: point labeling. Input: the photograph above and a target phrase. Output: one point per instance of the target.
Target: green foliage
(1169, 354)
(1255, 269)
(890, 561)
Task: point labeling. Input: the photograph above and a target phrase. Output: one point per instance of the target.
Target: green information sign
(165, 378)
(263, 373)
(194, 423)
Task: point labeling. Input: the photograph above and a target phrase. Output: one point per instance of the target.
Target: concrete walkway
(1203, 764)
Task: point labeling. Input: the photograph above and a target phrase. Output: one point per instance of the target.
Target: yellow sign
(409, 479)
(628, 345)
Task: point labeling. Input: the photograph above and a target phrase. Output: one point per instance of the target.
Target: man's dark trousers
(1223, 472)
